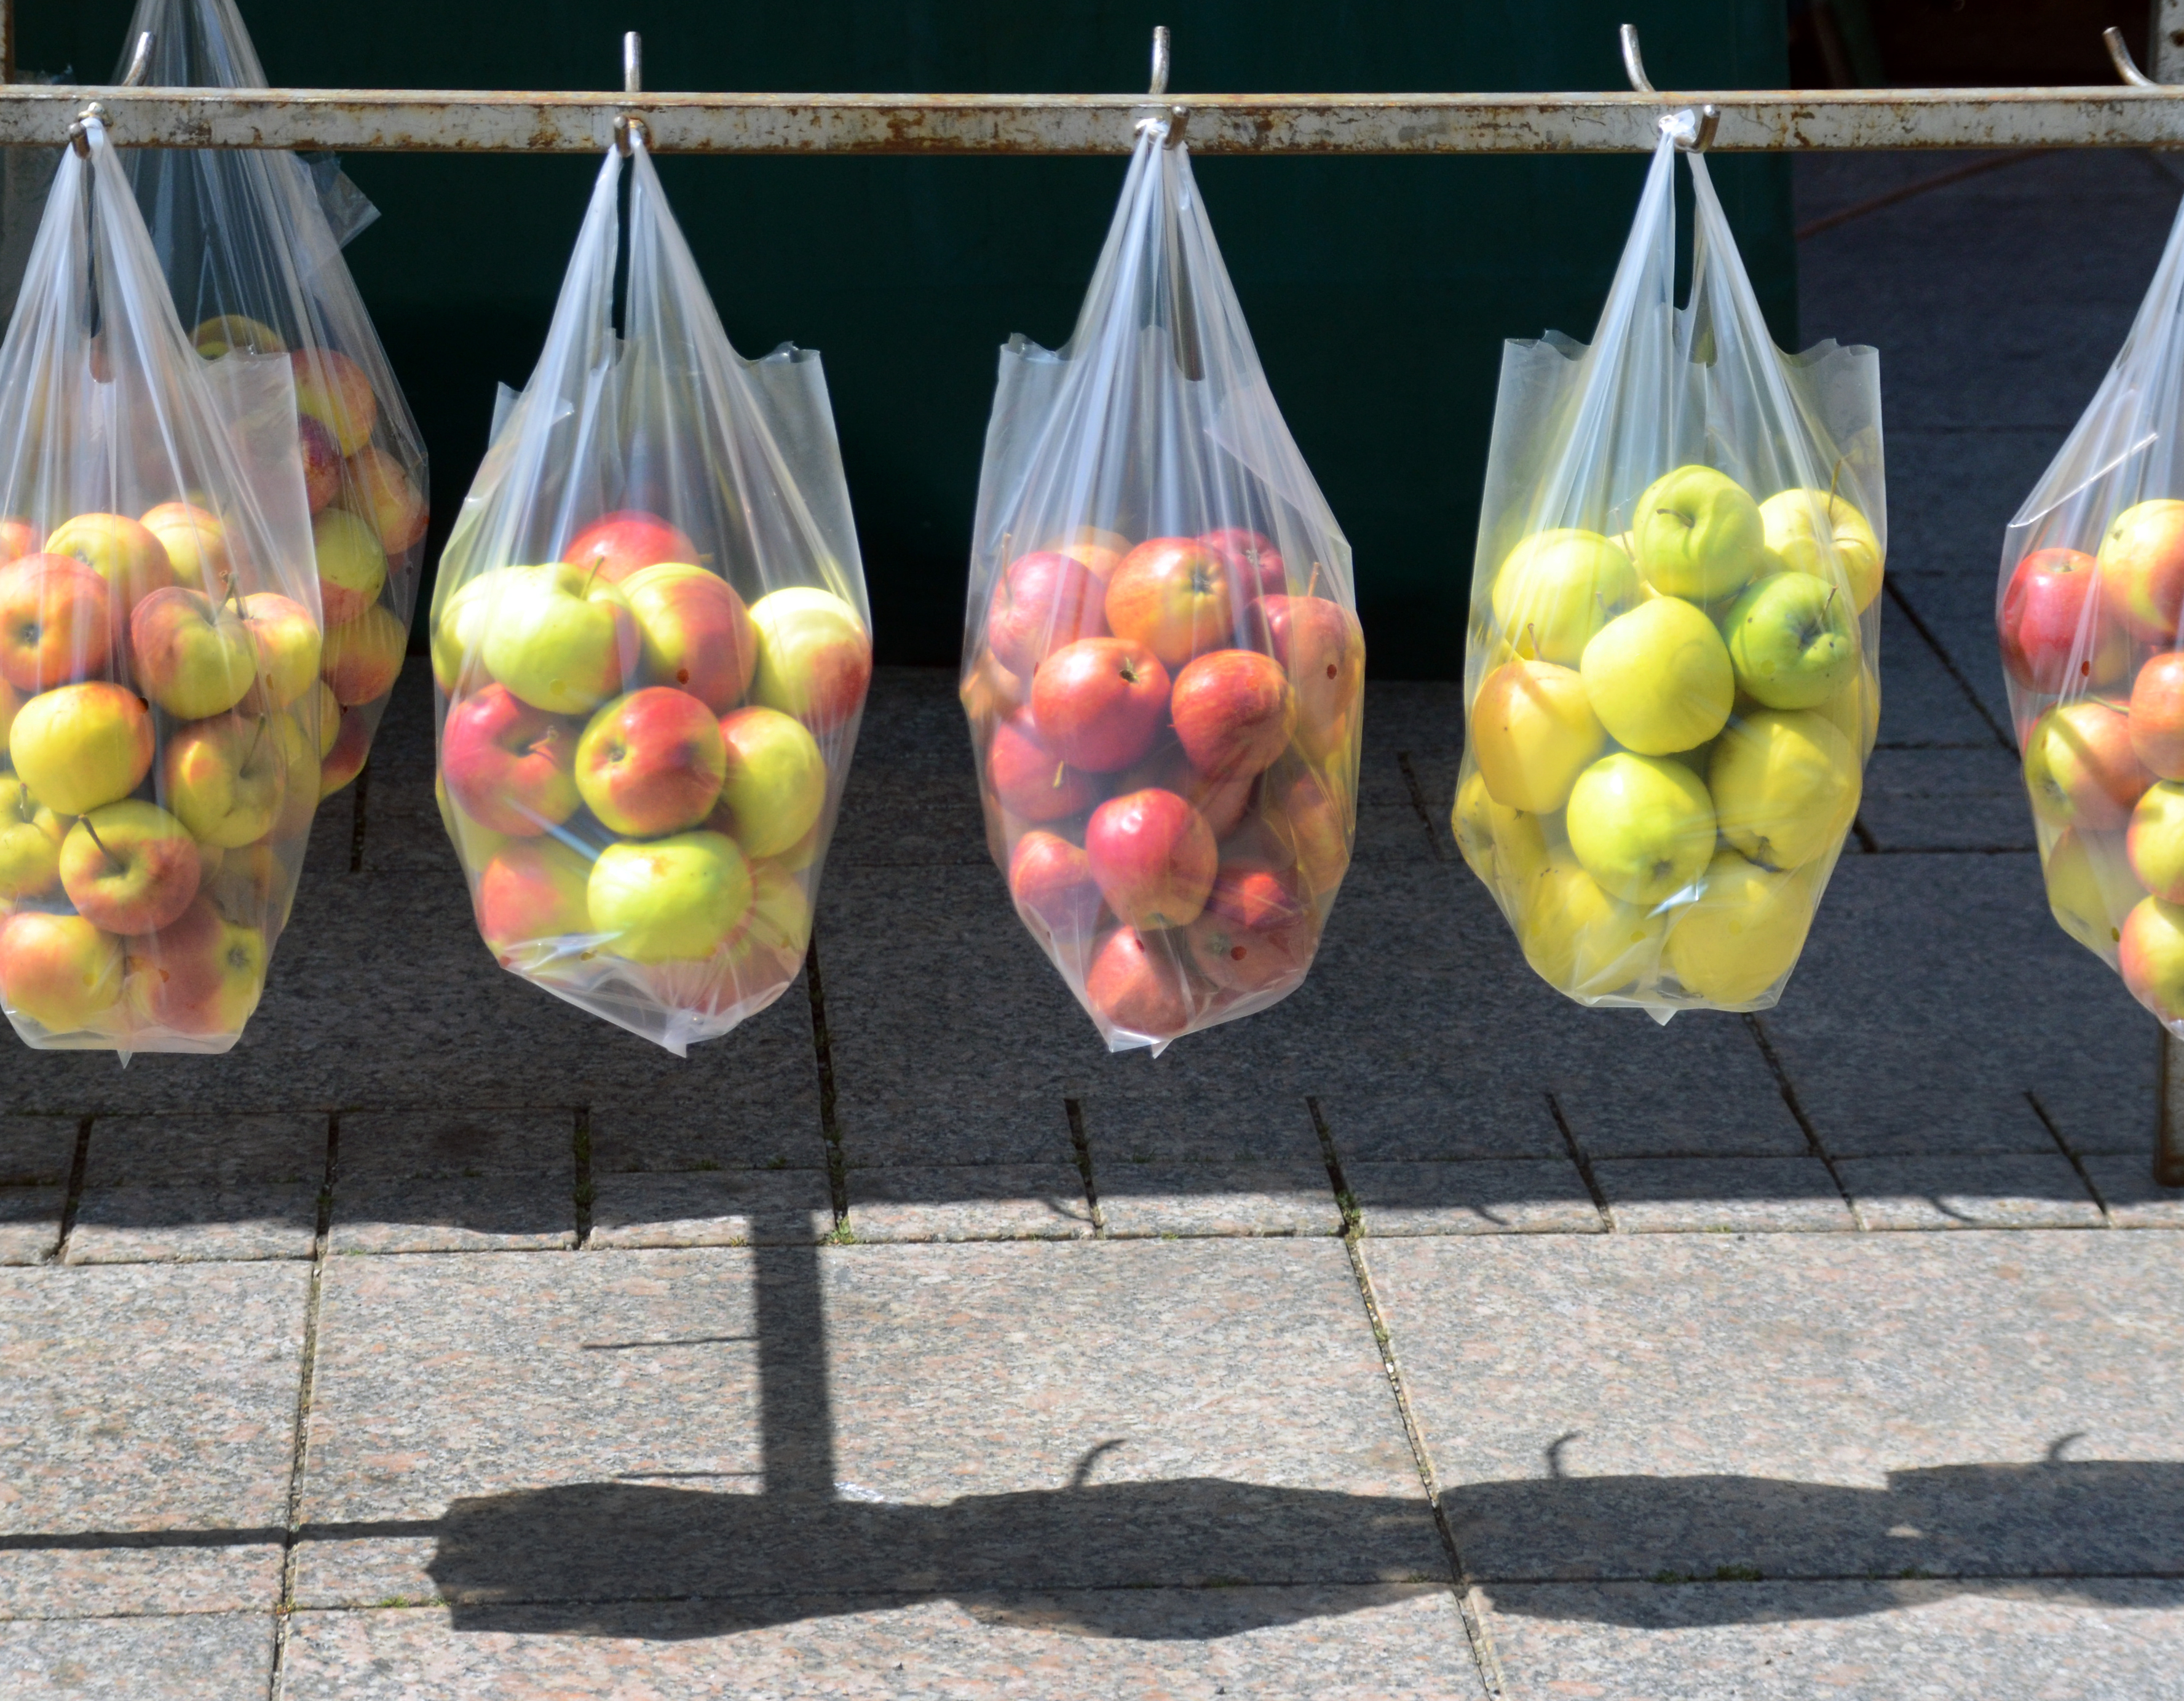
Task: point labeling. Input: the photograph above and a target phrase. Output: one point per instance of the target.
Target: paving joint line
(1419, 807)
(1074, 1107)
(361, 789)
(1949, 665)
(585, 1193)
(1866, 842)
(1584, 1163)
(822, 1050)
(1788, 1088)
(2085, 1177)
(1353, 1220)
(1485, 1660)
(72, 1199)
(306, 1381)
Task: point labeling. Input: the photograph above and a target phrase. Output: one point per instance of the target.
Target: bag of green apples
(159, 710)
(650, 645)
(244, 237)
(2089, 614)
(1162, 664)
(1672, 680)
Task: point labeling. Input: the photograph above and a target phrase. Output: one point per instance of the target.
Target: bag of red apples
(650, 643)
(1671, 684)
(255, 265)
(159, 647)
(1163, 665)
(2089, 613)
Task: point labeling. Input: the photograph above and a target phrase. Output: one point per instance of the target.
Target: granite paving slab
(1659, 1196)
(30, 1223)
(147, 1423)
(2113, 1640)
(1611, 1408)
(2134, 1199)
(1326, 1642)
(1482, 1195)
(199, 1187)
(1189, 1149)
(722, 1209)
(985, 1202)
(187, 1657)
(428, 1181)
(2013, 1191)
(1965, 799)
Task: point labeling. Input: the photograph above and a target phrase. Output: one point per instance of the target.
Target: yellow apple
(1699, 534)
(1556, 589)
(2150, 953)
(2091, 889)
(1643, 827)
(1814, 532)
(1505, 847)
(1784, 785)
(1581, 940)
(1744, 932)
(1855, 709)
(1658, 677)
(1532, 732)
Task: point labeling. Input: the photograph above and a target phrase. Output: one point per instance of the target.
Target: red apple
(2157, 716)
(2142, 557)
(2080, 766)
(2058, 632)
(56, 622)
(362, 657)
(652, 762)
(509, 766)
(332, 389)
(1042, 601)
(815, 658)
(990, 693)
(1256, 931)
(1251, 557)
(346, 753)
(1323, 646)
(1029, 777)
(130, 867)
(1051, 880)
(61, 972)
(1099, 701)
(625, 543)
(200, 974)
(18, 539)
(223, 779)
(1311, 815)
(322, 463)
(375, 487)
(1173, 596)
(696, 630)
(532, 890)
(1138, 982)
(121, 552)
(1153, 856)
(1222, 802)
(1234, 710)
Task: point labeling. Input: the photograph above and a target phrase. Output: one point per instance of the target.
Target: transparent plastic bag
(651, 646)
(255, 266)
(2087, 611)
(1162, 664)
(159, 708)
(1672, 681)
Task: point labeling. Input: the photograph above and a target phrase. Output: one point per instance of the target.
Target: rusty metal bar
(486, 121)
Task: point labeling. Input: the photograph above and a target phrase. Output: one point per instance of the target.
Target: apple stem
(1060, 770)
(112, 860)
(1312, 584)
(597, 562)
(256, 738)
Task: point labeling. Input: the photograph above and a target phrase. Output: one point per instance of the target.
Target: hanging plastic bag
(1162, 664)
(2088, 612)
(651, 641)
(1672, 680)
(159, 706)
(255, 266)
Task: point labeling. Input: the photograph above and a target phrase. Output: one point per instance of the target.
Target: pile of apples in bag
(1668, 737)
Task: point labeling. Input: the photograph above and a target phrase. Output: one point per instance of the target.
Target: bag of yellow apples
(1162, 664)
(2089, 613)
(159, 712)
(651, 646)
(1672, 680)
(255, 266)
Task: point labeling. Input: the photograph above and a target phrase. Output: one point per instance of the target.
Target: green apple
(1855, 709)
(1579, 939)
(776, 782)
(560, 638)
(1699, 534)
(2150, 953)
(1658, 677)
(59, 972)
(82, 745)
(30, 843)
(1785, 786)
(459, 626)
(1504, 847)
(1556, 589)
(1817, 533)
(1532, 732)
(1793, 640)
(223, 778)
(2154, 842)
(1744, 932)
(2090, 889)
(668, 900)
(1641, 826)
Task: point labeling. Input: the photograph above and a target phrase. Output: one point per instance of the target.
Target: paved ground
(443, 1342)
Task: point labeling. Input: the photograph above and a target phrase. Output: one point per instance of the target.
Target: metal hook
(1633, 67)
(633, 82)
(78, 138)
(139, 62)
(1709, 122)
(1160, 60)
(2125, 66)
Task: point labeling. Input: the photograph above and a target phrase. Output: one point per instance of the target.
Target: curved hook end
(1160, 59)
(139, 61)
(1634, 66)
(2125, 66)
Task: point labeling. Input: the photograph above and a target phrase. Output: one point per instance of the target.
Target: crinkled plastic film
(160, 647)
(1162, 664)
(1672, 678)
(651, 646)
(2087, 610)
(245, 238)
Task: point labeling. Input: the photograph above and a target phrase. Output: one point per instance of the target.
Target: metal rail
(498, 121)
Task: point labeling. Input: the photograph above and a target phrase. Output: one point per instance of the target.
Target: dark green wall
(1378, 290)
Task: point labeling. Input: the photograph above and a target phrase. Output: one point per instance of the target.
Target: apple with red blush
(1100, 702)
(1252, 557)
(1041, 602)
(1138, 982)
(1029, 777)
(1323, 647)
(509, 766)
(1052, 881)
(1173, 596)
(1222, 802)
(620, 545)
(1234, 711)
(56, 622)
(2058, 631)
(2157, 715)
(1153, 857)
